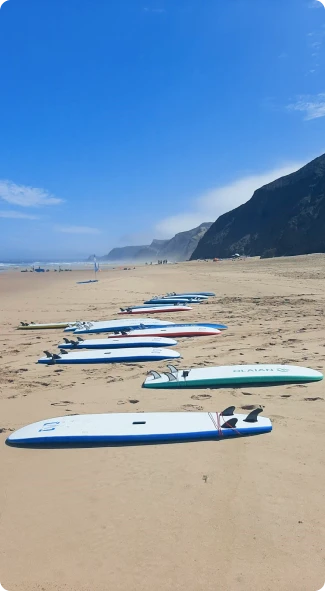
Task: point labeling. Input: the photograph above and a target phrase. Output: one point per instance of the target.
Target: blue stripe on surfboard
(120, 439)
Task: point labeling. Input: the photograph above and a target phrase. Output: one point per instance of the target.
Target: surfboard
(136, 428)
(174, 301)
(90, 281)
(124, 355)
(207, 324)
(113, 325)
(231, 375)
(154, 310)
(164, 331)
(118, 343)
(36, 326)
(195, 293)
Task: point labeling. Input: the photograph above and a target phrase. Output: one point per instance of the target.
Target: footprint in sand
(248, 407)
(62, 403)
(122, 402)
(247, 393)
(192, 407)
(201, 396)
(134, 401)
(285, 395)
(313, 399)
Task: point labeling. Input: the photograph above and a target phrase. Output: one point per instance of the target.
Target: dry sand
(237, 515)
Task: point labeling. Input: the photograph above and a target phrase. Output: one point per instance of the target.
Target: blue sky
(125, 120)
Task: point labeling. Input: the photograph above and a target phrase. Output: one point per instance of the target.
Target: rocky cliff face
(283, 218)
(178, 248)
(181, 247)
(123, 254)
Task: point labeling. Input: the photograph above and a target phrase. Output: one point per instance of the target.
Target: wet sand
(242, 514)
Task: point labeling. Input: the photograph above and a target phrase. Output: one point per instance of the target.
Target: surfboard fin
(154, 374)
(231, 424)
(228, 412)
(173, 369)
(63, 352)
(80, 340)
(186, 373)
(253, 416)
(48, 354)
(67, 341)
(171, 377)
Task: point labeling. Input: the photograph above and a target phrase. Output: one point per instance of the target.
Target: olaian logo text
(262, 369)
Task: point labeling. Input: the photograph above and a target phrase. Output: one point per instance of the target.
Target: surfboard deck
(137, 428)
(194, 294)
(118, 343)
(124, 355)
(231, 375)
(167, 331)
(117, 325)
(174, 301)
(43, 326)
(154, 310)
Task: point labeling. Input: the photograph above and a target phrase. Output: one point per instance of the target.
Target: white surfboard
(135, 428)
(175, 300)
(154, 309)
(116, 325)
(231, 375)
(117, 343)
(110, 356)
(38, 326)
(204, 294)
(166, 331)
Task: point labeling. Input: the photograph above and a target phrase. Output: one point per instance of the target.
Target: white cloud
(76, 230)
(313, 106)
(210, 205)
(26, 196)
(18, 215)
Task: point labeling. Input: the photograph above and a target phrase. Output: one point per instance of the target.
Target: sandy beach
(240, 515)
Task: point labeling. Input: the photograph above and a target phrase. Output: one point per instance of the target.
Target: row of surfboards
(148, 340)
(171, 302)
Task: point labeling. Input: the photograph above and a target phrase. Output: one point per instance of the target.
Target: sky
(127, 120)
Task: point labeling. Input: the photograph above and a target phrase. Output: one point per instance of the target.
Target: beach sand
(237, 515)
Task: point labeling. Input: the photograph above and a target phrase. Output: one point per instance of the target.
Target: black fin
(80, 340)
(186, 373)
(253, 416)
(62, 352)
(67, 341)
(228, 412)
(231, 424)
(48, 354)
